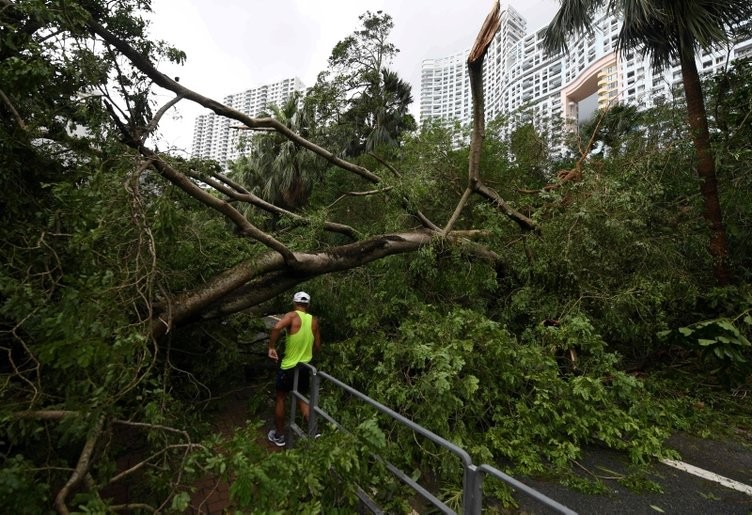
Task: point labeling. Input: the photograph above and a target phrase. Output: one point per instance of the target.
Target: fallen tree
(79, 150)
(269, 274)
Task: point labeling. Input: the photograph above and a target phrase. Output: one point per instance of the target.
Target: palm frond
(574, 18)
(659, 29)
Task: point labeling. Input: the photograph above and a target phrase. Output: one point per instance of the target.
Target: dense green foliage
(579, 326)
(361, 102)
(668, 32)
(594, 329)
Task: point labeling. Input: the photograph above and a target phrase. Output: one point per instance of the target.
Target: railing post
(471, 491)
(313, 404)
(294, 396)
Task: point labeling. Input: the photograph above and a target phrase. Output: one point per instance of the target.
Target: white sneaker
(279, 441)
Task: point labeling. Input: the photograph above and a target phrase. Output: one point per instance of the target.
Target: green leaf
(726, 324)
(181, 501)
(686, 331)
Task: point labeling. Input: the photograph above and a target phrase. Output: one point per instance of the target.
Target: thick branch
(475, 69)
(267, 286)
(523, 221)
(237, 192)
(190, 304)
(487, 31)
(12, 109)
(457, 210)
(275, 280)
(256, 281)
(82, 467)
(426, 222)
(143, 63)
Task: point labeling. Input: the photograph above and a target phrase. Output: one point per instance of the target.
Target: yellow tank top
(299, 346)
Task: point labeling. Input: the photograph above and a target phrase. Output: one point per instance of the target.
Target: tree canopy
(358, 95)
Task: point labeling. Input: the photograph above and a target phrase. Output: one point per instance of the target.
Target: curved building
(520, 75)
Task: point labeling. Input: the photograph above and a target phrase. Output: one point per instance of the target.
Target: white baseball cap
(301, 298)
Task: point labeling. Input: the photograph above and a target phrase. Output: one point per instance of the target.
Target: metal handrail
(535, 494)
(472, 482)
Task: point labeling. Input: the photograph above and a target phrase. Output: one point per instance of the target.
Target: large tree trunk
(698, 123)
(252, 282)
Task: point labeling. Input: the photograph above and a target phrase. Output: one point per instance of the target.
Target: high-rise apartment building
(213, 136)
(519, 74)
(445, 84)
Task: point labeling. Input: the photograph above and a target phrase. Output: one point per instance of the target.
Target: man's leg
(303, 408)
(304, 381)
(279, 412)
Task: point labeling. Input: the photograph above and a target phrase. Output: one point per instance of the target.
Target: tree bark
(698, 123)
(488, 30)
(82, 467)
(252, 282)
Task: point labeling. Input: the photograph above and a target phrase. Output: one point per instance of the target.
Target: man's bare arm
(316, 335)
(282, 323)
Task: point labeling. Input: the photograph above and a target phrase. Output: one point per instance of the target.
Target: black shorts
(285, 379)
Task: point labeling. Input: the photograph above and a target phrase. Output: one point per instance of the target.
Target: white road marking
(710, 476)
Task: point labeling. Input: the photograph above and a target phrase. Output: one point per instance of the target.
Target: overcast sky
(234, 45)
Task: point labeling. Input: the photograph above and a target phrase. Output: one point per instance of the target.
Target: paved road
(683, 493)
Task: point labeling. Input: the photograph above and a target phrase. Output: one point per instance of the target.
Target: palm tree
(611, 127)
(380, 114)
(391, 117)
(277, 169)
(668, 31)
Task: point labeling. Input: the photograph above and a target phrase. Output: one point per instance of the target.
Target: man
(302, 340)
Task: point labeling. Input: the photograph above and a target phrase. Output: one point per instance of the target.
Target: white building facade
(519, 75)
(213, 136)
